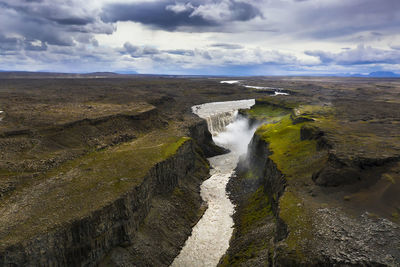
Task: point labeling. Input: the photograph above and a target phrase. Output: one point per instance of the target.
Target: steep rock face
(333, 239)
(85, 241)
(256, 191)
(199, 131)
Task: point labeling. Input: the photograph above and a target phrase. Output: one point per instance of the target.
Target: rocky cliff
(87, 240)
(145, 225)
(283, 219)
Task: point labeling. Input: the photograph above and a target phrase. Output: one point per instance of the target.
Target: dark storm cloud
(47, 12)
(152, 13)
(73, 21)
(170, 15)
(361, 55)
(37, 24)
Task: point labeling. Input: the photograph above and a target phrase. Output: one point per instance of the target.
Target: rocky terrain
(320, 181)
(106, 171)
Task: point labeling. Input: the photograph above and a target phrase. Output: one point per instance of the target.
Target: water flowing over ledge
(219, 114)
(210, 237)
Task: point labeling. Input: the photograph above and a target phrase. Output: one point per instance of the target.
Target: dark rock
(300, 119)
(331, 176)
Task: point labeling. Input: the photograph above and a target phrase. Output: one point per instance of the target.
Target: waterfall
(210, 236)
(217, 123)
(220, 114)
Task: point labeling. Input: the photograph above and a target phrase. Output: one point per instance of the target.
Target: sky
(205, 37)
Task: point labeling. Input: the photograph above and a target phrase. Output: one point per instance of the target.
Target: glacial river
(210, 236)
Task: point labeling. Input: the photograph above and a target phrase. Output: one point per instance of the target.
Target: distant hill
(375, 74)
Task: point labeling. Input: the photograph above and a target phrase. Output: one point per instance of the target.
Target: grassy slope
(80, 186)
(295, 159)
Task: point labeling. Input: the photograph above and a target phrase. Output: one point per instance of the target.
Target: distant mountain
(383, 74)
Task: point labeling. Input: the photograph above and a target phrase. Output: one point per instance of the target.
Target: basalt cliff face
(286, 217)
(145, 226)
(120, 224)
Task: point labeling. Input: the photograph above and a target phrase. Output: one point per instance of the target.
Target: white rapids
(210, 236)
(229, 82)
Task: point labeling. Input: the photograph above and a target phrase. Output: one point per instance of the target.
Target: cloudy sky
(232, 37)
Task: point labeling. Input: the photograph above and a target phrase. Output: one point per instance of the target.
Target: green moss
(171, 149)
(298, 221)
(257, 208)
(296, 159)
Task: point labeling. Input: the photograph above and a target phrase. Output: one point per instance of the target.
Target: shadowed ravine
(210, 237)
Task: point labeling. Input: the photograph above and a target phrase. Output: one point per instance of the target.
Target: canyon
(116, 171)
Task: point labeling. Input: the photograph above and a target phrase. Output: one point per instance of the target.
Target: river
(210, 236)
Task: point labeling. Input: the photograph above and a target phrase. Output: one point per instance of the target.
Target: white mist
(236, 136)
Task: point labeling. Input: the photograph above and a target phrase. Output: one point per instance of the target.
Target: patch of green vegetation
(257, 208)
(266, 112)
(299, 223)
(171, 149)
(247, 253)
(296, 159)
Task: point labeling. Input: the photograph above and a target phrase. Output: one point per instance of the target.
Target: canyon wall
(122, 223)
